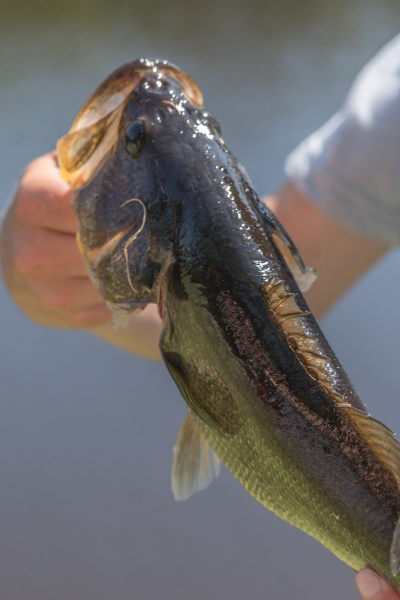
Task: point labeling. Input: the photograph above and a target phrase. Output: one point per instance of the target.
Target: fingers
(69, 296)
(41, 253)
(373, 587)
(42, 267)
(43, 198)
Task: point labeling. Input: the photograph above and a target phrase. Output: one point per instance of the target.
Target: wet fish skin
(287, 441)
(250, 360)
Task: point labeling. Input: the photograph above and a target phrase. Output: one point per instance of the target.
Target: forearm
(340, 255)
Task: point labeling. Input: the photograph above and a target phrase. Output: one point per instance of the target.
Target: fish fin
(120, 315)
(395, 551)
(195, 463)
(206, 395)
(304, 279)
(382, 440)
(304, 276)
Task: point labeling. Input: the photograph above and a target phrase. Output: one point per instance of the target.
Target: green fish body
(167, 215)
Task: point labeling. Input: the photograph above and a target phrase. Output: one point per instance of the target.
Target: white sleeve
(350, 168)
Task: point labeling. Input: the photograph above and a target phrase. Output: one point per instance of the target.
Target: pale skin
(46, 277)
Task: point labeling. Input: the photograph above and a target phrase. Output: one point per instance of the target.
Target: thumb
(373, 587)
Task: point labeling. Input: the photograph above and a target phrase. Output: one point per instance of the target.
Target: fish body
(168, 216)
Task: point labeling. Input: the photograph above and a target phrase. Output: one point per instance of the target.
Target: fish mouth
(94, 131)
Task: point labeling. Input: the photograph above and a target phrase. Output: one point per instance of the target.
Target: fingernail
(368, 583)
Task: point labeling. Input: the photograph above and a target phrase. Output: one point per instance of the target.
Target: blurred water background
(86, 431)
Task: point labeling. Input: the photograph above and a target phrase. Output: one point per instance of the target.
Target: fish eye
(135, 137)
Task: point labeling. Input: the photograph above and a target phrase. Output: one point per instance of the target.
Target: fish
(167, 215)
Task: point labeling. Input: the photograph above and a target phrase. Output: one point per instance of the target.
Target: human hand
(42, 267)
(373, 587)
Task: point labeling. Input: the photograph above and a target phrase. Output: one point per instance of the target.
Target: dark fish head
(117, 157)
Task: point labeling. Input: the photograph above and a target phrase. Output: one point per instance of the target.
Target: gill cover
(94, 131)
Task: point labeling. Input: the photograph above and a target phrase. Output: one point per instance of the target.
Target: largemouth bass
(168, 216)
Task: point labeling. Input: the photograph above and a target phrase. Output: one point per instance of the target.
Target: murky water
(86, 431)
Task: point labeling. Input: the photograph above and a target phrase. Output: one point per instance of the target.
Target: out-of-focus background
(86, 431)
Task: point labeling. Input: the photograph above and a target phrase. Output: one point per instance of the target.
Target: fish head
(114, 157)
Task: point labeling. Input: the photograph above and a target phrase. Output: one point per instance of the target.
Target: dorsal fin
(381, 439)
(195, 463)
(306, 347)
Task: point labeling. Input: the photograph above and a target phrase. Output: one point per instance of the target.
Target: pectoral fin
(195, 464)
(205, 393)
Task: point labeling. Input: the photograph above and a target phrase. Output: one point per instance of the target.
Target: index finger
(43, 198)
